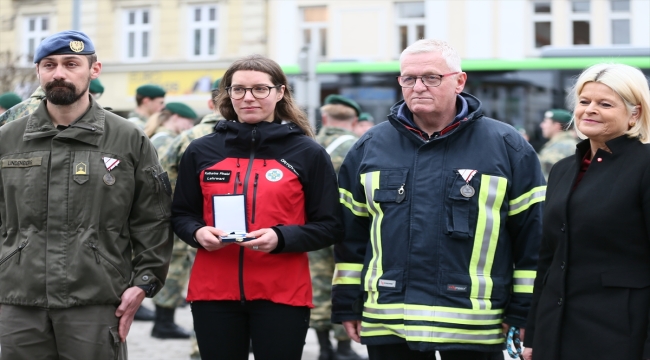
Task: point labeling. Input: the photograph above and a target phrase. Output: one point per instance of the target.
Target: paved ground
(143, 347)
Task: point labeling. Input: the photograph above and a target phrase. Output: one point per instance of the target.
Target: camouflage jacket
(24, 108)
(331, 138)
(556, 149)
(170, 156)
(137, 119)
(162, 138)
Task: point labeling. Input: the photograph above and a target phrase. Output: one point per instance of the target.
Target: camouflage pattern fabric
(24, 108)
(557, 148)
(171, 295)
(137, 119)
(321, 262)
(162, 138)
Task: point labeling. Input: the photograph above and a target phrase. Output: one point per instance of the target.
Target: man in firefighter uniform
(442, 210)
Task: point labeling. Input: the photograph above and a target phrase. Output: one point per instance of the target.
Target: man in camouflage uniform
(339, 117)
(171, 296)
(556, 127)
(149, 99)
(25, 108)
(174, 118)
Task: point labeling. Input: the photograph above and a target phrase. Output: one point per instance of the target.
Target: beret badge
(77, 46)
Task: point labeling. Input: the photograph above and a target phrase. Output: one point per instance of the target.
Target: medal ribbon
(110, 163)
(467, 174)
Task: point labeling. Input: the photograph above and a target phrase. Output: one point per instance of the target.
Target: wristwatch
(148, 289)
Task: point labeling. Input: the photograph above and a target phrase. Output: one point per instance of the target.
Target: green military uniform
(337, 142)
(183, 255)
(25, 108)
(74, 234)
(563, 144)
(162, 138)
(137, 119)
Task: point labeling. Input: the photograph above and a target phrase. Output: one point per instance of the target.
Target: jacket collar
(89, 128)
(264, 132)
(617, 145)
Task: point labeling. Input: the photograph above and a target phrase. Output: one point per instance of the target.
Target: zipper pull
(256, 176)
(401, 194)
(94, 247)
(20, 251)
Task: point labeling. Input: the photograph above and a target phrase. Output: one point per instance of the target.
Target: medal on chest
(467, 190)
(110, 164)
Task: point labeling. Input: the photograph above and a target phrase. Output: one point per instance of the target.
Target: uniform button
(562, 266)
(559, 302)
(563, 227)
(145, 277)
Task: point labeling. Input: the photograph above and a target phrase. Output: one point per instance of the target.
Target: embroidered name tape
(217, 176)
(22, 163)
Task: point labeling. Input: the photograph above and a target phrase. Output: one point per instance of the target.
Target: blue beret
(64, 42)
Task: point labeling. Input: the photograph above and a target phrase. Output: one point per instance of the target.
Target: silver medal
(109, 179)
(467, 191)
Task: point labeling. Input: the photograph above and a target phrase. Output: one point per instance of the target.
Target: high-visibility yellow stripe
(525, 201)
(439, 314)
(433, 333)
(490, 199)
(523, 281)
(526, 289)
(357, 208)
(370, 182)
(524, 274)
(347, 274)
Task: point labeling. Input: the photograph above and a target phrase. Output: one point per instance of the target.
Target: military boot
(344, 352)
(164, 326)
(326, 349)
(144, 314)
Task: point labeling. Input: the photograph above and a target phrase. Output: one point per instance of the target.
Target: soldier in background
(339, 116)
(366, 121)
(96, 88)
(171, 296)
(24, 108)
(150, 99)
(556, 127)
(164, 126)
(9, 100)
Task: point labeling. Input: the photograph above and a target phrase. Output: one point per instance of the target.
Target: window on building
(36, 28)
(542, 23)
(137, 34)
(203, 27)
(410, 20)
(581, 22)
(313, 27)
(620, 22)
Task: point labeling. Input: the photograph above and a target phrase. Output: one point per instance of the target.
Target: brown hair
(155, 121)
(285, 109)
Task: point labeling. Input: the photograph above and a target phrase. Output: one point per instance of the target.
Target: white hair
(424, 46)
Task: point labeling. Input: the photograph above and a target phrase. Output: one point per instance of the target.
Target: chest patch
(387, 283)
(217, 176)
(274, 175)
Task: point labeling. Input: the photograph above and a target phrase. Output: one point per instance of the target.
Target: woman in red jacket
(263, 162)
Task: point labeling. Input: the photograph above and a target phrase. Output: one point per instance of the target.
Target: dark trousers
(402, 351)
(225, 328)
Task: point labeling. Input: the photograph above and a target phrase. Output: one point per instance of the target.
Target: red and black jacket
(289, 185)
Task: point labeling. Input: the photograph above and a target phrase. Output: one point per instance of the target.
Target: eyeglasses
(428, 80)
(258, 92)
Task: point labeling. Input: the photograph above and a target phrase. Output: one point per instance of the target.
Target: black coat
(592, 292)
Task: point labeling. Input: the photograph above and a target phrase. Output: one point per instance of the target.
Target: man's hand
(353, 328)
(266, 240)
(131, 300)
(209, 238)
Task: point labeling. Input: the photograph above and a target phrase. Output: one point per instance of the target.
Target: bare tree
(13, 76)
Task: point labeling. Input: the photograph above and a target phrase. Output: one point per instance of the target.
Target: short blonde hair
(629, 83)
(338, 111)
(424, 46)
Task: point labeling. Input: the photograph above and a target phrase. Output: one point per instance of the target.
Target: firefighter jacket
(442, 235)
(84, 210)
(289, 185)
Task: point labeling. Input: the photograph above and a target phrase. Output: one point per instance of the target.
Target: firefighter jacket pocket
(392, 186)
(460, 207)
